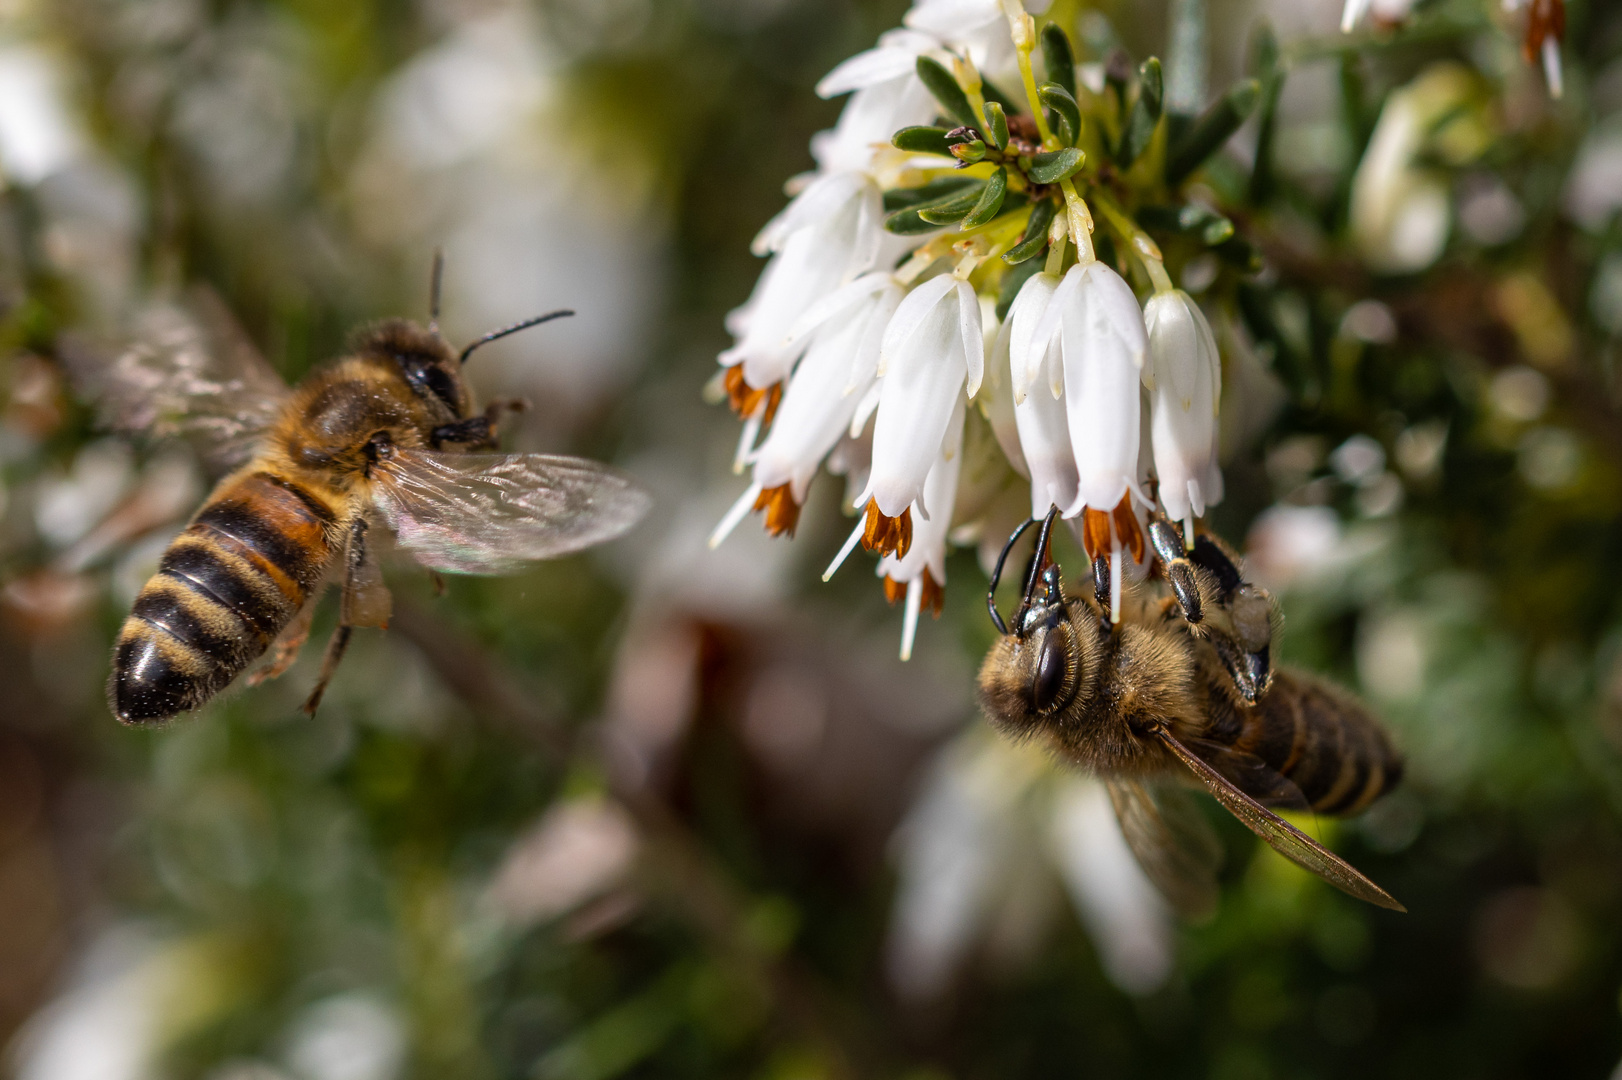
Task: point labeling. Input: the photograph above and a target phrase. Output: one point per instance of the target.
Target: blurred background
(660, 811)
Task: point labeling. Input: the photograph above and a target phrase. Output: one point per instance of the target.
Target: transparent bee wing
(189, 371)
(1174, 845)
(490, 513)
(1279, 834)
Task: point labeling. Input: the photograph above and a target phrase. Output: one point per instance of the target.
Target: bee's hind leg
(285, 649)
(329, 664)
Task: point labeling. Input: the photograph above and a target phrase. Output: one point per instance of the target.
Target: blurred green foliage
(273, 865)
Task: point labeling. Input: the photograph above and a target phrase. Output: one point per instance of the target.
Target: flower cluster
(938, 276)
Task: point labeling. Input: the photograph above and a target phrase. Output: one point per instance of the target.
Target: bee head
(420, 356)
(1037, 667)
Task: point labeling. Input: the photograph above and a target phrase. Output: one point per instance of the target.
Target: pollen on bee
(887, 535)
(746, 401)
(1101, 530)
(782, 512)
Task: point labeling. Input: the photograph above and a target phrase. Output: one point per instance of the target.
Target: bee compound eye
(1052, 671)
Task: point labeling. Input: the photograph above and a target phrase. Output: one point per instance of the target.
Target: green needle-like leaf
(1211, 130)
(996, 125)
(1052, 167)
(937, 190)
(1063, 104)
(922, 140)
(1059, 57)
(1036, 233)
(938, 81)
(990, 202)
(1145, 114)
(953, 209)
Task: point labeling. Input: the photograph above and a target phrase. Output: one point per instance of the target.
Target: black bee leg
(477, 432)
(1236, 616)
(1101, 585)
(1168, 544)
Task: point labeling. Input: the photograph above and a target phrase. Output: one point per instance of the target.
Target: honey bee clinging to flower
(1183, 683)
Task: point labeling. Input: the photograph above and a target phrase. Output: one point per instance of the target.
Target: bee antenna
(435, 277)
(1039, 560)
(513, 329)
(996, 576)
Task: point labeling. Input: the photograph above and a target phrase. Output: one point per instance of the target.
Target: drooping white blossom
(1184, 376)
(923, 568)
(932, 345)
(1103, 342)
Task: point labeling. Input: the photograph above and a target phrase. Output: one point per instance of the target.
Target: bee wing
(1251, 774)
(1279, 834)
(189, 371)
(490, 513)
(1173, 844)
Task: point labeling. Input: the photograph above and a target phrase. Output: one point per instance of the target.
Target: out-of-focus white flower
(38, 135)
(1385, 11)
(1399, 209)
(932, 343)
(349, 1037)
(1594, 188)
(993, 818)
(1129, 921)
(920, 574)
(978, 28)
(577, 850)
(1103, 343)
(133, 997)
(1184, 376)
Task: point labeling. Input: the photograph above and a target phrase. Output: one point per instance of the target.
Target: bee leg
(1246, 615)
(1168, 545)
(1101, 585)
(365, 602)
(477, 432)
(329, 664)
(285, 649)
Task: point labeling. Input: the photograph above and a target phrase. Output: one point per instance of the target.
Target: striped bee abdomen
(223, 591)
(1324, 741)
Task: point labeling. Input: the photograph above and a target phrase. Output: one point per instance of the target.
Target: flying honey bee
(386, 434)
(1183, 684)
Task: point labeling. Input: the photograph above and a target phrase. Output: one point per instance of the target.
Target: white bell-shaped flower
(830, 233)
(920, 575)
(1103, 342)
(1042, 429)
(1184, 376)
(931, 345)
(886, 95)
(1030, 359)
(830, 382)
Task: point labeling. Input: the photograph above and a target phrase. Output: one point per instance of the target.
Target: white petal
(1044, 438)
(923, 383)
(866, 68)
(823, 198)
(1024, 316)
(864, 364)
(929, 534)
(837, 303)
(996, 401)
(974, 339)
(914, 308)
